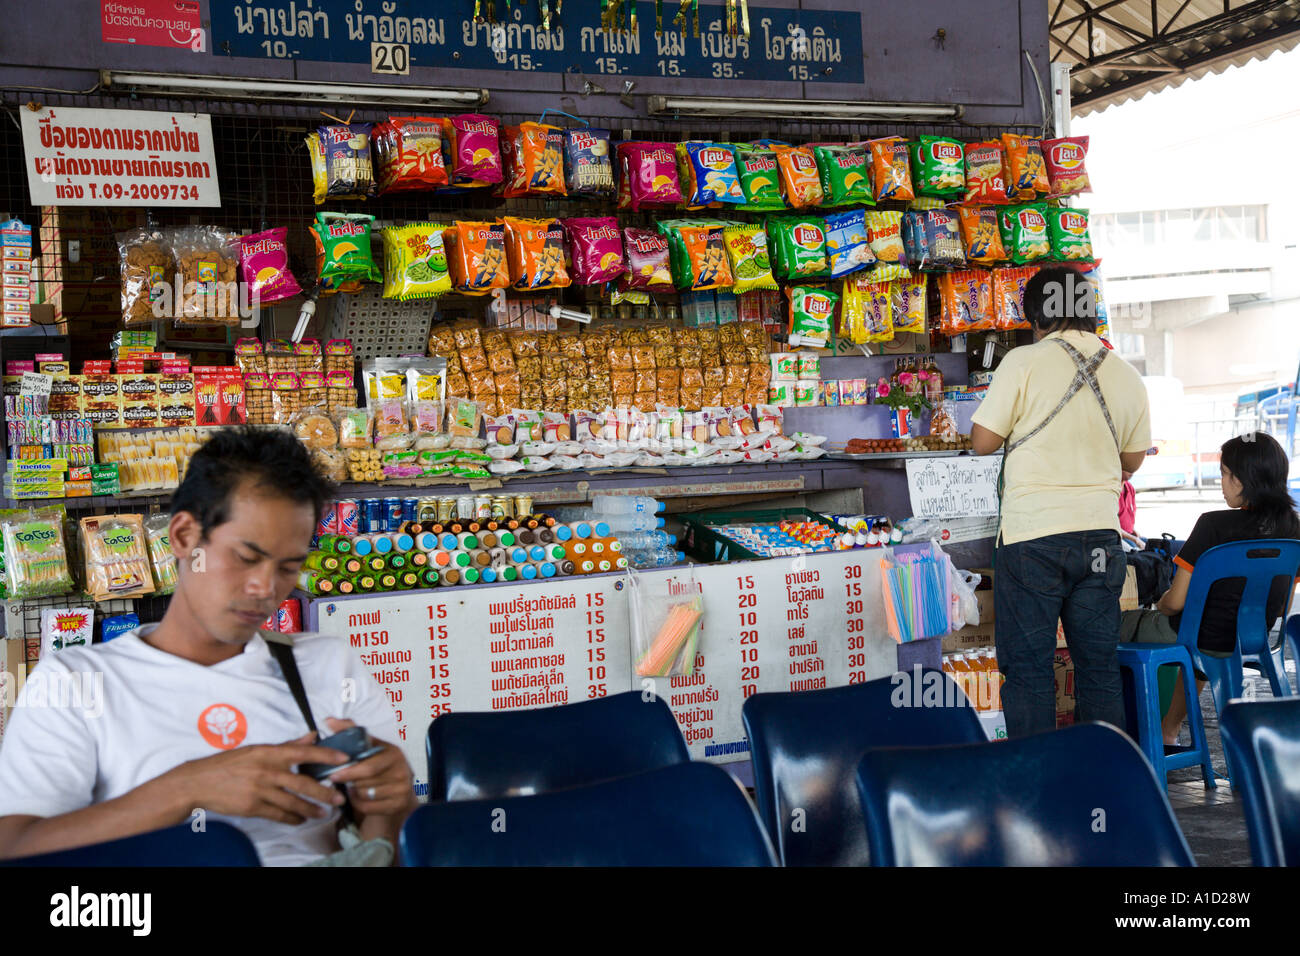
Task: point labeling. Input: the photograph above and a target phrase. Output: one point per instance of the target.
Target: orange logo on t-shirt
(223, 726)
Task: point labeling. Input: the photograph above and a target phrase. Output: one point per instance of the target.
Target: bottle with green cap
(336, 543)
(470, 575)
(429, 577)
(396, 561)
(509, 573)
(322, 561)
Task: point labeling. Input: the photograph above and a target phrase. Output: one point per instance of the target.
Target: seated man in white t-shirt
(198, 722)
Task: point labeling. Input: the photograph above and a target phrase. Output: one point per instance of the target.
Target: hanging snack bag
(1024, 233)
(979, 230)
(747, 252)
(207, 264)
(588, 162)
(1065, 160)
(847, 244)
(985, 182)
(798, 166)
(476, 252)
(316, 154)
(891, 170)
(147, 271)
(264, 265)
(967, 299)
(349, 171)
(938, 166)
(884, 232)
(1068, 231)
(941, 236)
(117, 558)
(651, 174)
(1009, 297)
(533, 158)
(475, 149)
(713, 171)
(407, 152)
(702, 254)
(799, 247)
(415, 263)
(811, 312)
(595, 248)
(35, 560)
(648, 262)
(865, 311)
(845, 174)
(535, 252)
(1092, 274)
(1026, 173)
(760, 179)
(344, 242)
(907, 304)
(157, 529)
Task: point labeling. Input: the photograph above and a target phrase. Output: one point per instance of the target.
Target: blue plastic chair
(1259, 562)
(1291, 640)
(805, 748)
(690, 814)
(1080, 796)
(1262, 740)
(479, 755)
(219, 844)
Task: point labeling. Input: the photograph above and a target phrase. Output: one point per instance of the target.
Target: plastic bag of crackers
(147, 274)
(207, 264)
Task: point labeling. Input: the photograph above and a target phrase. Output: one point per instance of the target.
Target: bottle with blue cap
(528, 572)
(382, 543)
(536, 553)
(625, 505)
(402, 542)
(488, 575)
(546, 569)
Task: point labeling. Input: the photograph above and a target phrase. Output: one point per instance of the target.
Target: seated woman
(1253, 468)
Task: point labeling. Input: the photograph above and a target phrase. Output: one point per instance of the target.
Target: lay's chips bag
(938, 166)
(760, 179)
(845, 174)
(984, 179)
(1065, 160)
(1068, 231)
(1024, 232)
(711, 168)
(596, 249)
(343, 239)
(648, 261)
(811, 313)
(803, 185)
(799, 247)
(651, 174)
(475, 149)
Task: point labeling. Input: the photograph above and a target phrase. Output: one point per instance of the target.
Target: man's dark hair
(1060, 299)
(269, 459)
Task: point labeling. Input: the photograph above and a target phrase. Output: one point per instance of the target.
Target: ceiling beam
(1089, 12)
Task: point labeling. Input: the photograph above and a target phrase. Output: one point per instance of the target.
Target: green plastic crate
(703, 543)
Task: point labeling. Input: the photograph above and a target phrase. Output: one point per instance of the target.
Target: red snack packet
(596, 249)
(408, 153)
(1065, 160)
(652, 174)
(648, 265)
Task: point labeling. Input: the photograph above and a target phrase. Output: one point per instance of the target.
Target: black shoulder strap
(283, 654)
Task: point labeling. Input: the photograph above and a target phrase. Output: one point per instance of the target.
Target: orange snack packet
(476, 255)
(803, 184)
(891, 170)
(535, 253)
(1026, 173)
(532, 154)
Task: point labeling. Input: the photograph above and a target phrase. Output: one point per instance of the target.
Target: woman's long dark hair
(1260, 464)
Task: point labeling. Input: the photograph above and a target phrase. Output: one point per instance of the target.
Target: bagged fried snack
(415, 262)
(475, 149)
(477, 254)
(535, 254)
(532, 156)
(349, 170)
(407, 152)
(343, 249)
(891, 170)
(148, 271)
(596, 249)
(207, 262)
(264, 262)
(798, 168)
(588, 162)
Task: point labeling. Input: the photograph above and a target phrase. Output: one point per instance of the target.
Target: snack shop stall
(624, 387)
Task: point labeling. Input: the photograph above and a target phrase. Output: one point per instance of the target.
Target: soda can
(446, 509)
(328, 524)
(465, 507)
(410, 511)
(270, 624)
(347, 515)
(374, 516)
(502, 507)
(483, 507)
(392, 514)
(427, 509)
(288, 617)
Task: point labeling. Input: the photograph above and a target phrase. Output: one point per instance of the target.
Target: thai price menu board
(783, 624)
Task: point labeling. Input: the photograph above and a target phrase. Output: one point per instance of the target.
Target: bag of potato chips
(648, 262)
(847, 244)
(415, 262)
(984, 179)
(711, 168)
(1068, 231)
(799, 247)
(588, 162)
(844, 174)
(938, 166)
(408, 153)
(1024, 232)
(476, 252)
(345, 242)
(980, 233)
(596, 249)
(1065, 159)
(811, 312)
(700, 252)
(798, 166)
(891, 170)
(760, 180)
(747, 251)
(1026, 173)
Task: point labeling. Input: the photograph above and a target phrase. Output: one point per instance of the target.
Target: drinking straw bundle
(676, 639)
(916, 591)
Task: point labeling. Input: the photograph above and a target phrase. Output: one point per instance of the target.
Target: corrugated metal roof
(1122, 49)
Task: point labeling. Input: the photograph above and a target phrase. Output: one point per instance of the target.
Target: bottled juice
(961, 673)
(509, 573)
(995, 679)
(322, 561)
(979, 692)
(352, 567)
(366, 583)
(344, 585)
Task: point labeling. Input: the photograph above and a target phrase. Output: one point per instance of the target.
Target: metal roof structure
(1121, 49)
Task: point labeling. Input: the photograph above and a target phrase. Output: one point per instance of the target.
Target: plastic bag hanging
(666, 625)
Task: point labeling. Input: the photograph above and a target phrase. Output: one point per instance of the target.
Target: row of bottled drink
(976, 673)
(636, 522)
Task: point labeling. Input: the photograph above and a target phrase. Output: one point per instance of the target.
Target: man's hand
(380, 785)
(258, 781)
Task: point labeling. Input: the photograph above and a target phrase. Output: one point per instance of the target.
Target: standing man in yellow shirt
(1072, 417)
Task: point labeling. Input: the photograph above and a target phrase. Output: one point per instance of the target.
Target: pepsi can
(374, 516)
(348, 517)
(410, 511)
(392, 514)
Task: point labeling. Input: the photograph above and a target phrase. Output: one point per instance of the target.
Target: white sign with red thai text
(91, 157)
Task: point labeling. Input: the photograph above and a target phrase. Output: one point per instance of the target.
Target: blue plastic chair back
(806, 746)
(1262, 741)
(219, 844)
(1259, 562)
(690, 814)
(1081, 796)
(479, 755)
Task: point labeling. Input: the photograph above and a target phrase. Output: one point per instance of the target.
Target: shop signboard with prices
(486, 649)
(797, 46)
(102, 157)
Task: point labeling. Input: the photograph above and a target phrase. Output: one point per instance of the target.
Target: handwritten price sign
(954, 487)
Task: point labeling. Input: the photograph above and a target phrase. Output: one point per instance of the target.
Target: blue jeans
(1076, 577)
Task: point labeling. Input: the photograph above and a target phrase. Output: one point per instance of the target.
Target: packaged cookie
(313, 389)
(331, 462)
(207, 264)
(442, 339)
(643, 356)
(524, 344)
(340, 390)
(355, 428)
(529, 368)
(665, 355)
(313, 427)
(117, 558)
(285, 403)
(553, 366)
(279, 357)
(148, 272)
(249, 356)
(257, 399)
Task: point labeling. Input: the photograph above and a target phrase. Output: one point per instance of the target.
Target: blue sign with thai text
(790, 45)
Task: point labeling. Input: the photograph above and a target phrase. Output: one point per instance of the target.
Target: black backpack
(1154, 568)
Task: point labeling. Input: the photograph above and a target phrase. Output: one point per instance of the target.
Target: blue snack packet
(914, 247)
(349, 171)
(943, 245)
(846, 243)
(588, 162)
(713, 170)
(118, 625)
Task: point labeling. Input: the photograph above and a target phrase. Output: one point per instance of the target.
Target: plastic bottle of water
(625, 504)
(619, 524)
(645, 540)
(657, 558)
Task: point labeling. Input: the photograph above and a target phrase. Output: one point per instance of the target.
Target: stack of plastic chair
(1291, 639)
(218, 844)
(1081, 796)
(805, 748)
(479, 755)
(1259, 563)
(1262, 739)
(691, 814)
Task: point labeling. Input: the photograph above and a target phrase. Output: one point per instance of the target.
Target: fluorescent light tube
(293, 89)
(802, 109)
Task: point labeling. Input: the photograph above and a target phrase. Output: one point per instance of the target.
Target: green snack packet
(845, 174)
(938, 166)
(1024, 232)
(811, 313)
(799, 246)
(1068, 231)
(344, 239)
(760, 180)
